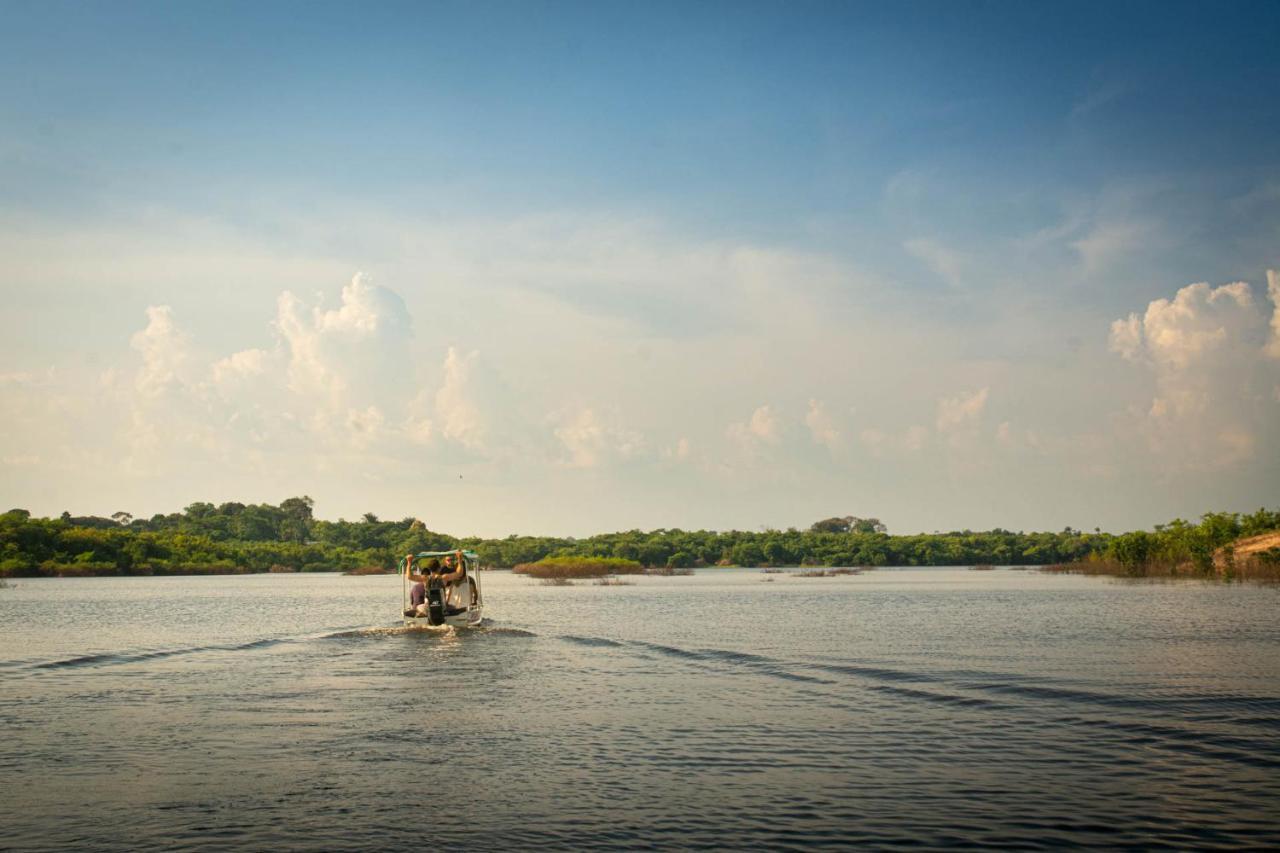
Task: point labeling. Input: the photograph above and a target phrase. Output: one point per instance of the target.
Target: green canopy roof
(470, 555)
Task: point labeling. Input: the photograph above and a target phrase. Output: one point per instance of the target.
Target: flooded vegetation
(1215, 549)
(1262, 568)
(369, 570)
(578, 568)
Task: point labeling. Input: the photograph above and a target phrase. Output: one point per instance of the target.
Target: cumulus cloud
(239, 366)
(591, 439)
(1199, 324)
(881, 443)
(339, 383)
(1273, 292)
(1126, 337)
(762, 428)
(962, 410)
(1207, 350)
(822, 426)
(341, 352)
(460, 416)
(163, 350)
(764, 425)
(166, 405)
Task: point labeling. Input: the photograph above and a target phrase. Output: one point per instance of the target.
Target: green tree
(680, 560)
(1133, 549)
(296, 525)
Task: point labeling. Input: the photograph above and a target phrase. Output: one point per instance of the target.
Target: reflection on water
(921, 707)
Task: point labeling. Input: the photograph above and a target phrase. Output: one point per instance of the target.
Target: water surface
(914, 707)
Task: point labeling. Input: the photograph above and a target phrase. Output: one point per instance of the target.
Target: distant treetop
(848, 524)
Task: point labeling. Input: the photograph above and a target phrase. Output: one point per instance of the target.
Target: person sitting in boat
(453, 583)
(418, 592)
(458, 588)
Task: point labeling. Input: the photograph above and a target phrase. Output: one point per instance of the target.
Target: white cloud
(1198, 321)
(459, 414)
(764, 425)
(961, 410)
(1190, 341)
(1109, 241)
(569, 309)
(164, 352)
(822, 427)
(1273, 292)
(239, 366)
(880, 443)
(1207, 351)
(346, 351)
(1126, 337)
(762, 428)
(592, 440)
(338, 384)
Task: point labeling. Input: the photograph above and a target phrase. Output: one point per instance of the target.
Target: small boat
(450, 589)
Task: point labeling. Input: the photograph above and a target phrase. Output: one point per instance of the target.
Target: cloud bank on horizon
(777, 297)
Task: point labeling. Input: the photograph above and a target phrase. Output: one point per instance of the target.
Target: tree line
(234, 537)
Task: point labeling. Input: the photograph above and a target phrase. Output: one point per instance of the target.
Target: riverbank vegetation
(1214, 548)
(240, 538)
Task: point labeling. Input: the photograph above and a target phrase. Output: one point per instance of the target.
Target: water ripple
(691, 714)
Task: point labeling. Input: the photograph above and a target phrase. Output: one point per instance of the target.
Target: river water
(911, 707)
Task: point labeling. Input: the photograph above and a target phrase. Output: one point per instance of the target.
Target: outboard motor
(435, 602)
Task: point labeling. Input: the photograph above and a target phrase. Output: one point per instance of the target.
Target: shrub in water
(575, 568)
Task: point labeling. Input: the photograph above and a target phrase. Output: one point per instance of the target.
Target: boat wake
(127, 657)
(137, 656)
(1242, 723)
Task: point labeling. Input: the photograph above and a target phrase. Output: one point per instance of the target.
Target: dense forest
(235, 537)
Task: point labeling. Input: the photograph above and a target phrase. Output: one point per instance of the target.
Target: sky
(569, 268)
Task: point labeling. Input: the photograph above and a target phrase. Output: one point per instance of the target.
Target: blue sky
(721, 265)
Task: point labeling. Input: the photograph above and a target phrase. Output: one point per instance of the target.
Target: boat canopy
(470, 555)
